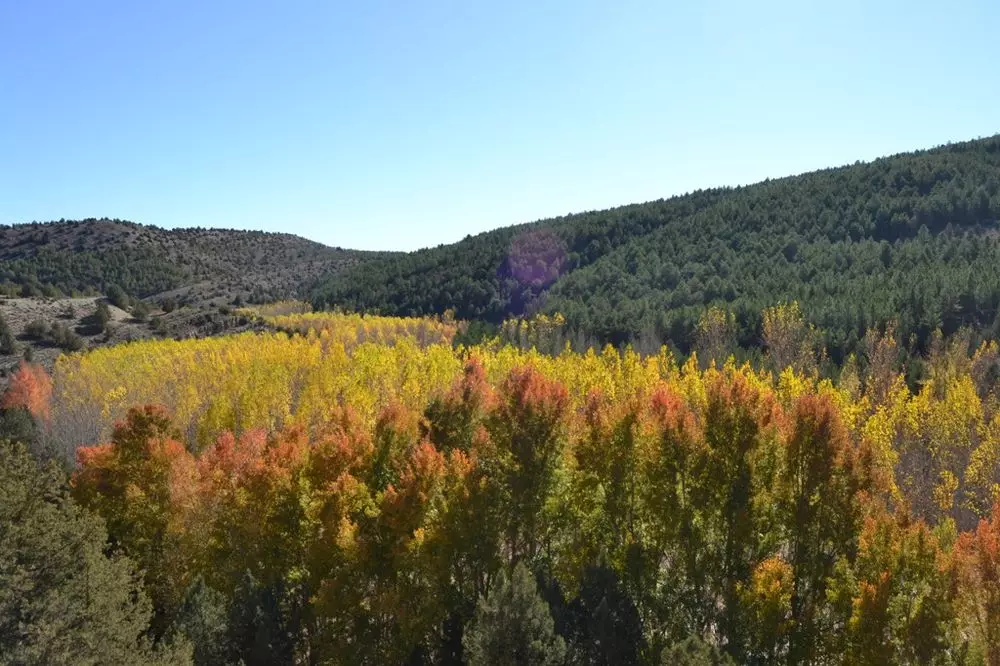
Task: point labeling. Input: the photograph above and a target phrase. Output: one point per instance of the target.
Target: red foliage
(31, 388)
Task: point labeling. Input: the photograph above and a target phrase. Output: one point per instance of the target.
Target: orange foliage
(31, 388)
(978, 556)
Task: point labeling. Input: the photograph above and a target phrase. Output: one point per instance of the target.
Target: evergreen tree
(513, 625)
(118, 297)
(103, 315)
(203, 619)
(8, 345)
(62, 599)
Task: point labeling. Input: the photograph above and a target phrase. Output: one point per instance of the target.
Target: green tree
(118, 297)
(102, 315)
(695, 652)
(513, 625)
(62, 599)
(141, 310)
(203, 619)
(8, 345)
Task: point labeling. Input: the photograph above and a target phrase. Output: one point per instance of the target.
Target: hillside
(911, 238)
(198, 266)
(44, 328)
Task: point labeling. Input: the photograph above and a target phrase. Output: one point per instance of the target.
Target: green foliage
(203, 620)
(8, 345)
(102, 315)
(89, 256)
(513, 625)
(605, 627)
(36, 328)
(118, 297)
(58, 333)
(65, 337)
(141, 310)
(695, 652)
(62, 599)
(17, 425)
(909, 238)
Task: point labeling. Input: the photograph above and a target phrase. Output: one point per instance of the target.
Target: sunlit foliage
(360, 502)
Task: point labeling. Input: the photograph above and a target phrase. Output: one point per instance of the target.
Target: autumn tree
(739, 428)
(31, 388)
(527, 428)
(788, 339)
(135, 483)
(818, 483)
(979, 596)
(715, 337)
(881, 360)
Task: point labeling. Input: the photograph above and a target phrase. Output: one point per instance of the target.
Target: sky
(400, 125)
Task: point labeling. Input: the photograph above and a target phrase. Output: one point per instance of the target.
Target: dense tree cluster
(302, 501)
(911, 238)
(138, 271)
(63, 599)
(89, 256)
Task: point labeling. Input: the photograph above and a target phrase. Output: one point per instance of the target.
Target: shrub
(103, 315)
(141, 310)
(8, 346)
(65, 337)
(118, 297)
(37, 329)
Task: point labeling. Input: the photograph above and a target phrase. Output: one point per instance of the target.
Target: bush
(103, 315)
(65, 337)
(8, 346)
(118, 297)
(37, 329)
(141, 310)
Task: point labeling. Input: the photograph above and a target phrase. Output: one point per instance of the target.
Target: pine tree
(62, 599)
(512, 625)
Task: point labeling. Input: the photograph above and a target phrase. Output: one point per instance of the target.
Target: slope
(911, 237)
(198, 265)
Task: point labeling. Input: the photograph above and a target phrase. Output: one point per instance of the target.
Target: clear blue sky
(399, 125)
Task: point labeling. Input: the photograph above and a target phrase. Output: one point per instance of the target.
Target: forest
(910, 238)
(370, 490)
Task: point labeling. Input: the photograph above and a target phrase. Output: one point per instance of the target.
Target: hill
(44, 328)
(911, 238)
(198, 266)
